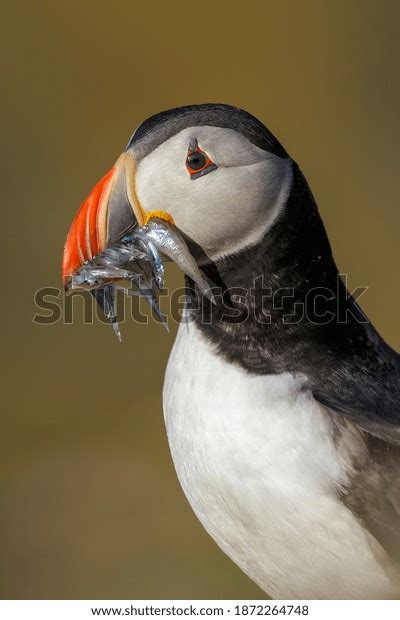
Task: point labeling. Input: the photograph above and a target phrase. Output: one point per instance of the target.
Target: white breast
(256, 459)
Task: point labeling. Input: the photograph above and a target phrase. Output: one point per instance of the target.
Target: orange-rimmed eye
(197, 161)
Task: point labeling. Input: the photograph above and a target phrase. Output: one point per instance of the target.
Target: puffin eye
(198, 162)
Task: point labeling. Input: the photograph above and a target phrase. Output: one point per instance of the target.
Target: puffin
(281, 400)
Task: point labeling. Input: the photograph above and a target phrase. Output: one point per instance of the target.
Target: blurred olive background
(90, 505)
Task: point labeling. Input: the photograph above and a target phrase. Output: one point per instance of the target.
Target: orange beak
(110, 209)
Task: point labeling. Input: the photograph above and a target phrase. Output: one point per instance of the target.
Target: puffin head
(213, 170)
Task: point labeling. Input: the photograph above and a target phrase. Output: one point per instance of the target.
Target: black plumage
(158, 128)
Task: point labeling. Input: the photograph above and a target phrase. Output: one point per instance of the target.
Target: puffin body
(267, 486)
(281, 401)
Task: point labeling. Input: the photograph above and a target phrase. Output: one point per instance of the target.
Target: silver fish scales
(137, 258)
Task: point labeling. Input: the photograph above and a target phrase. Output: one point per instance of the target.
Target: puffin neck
(273, 279)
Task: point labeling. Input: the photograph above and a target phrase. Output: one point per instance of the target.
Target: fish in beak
(111, 239)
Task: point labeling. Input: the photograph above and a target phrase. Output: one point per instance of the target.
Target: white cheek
(160, 182)
(237, 206)
(225, 210)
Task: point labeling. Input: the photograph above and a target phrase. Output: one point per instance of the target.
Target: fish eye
(198, 162)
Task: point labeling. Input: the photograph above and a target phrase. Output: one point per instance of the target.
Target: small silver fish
(169, 242)
(137, 258)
